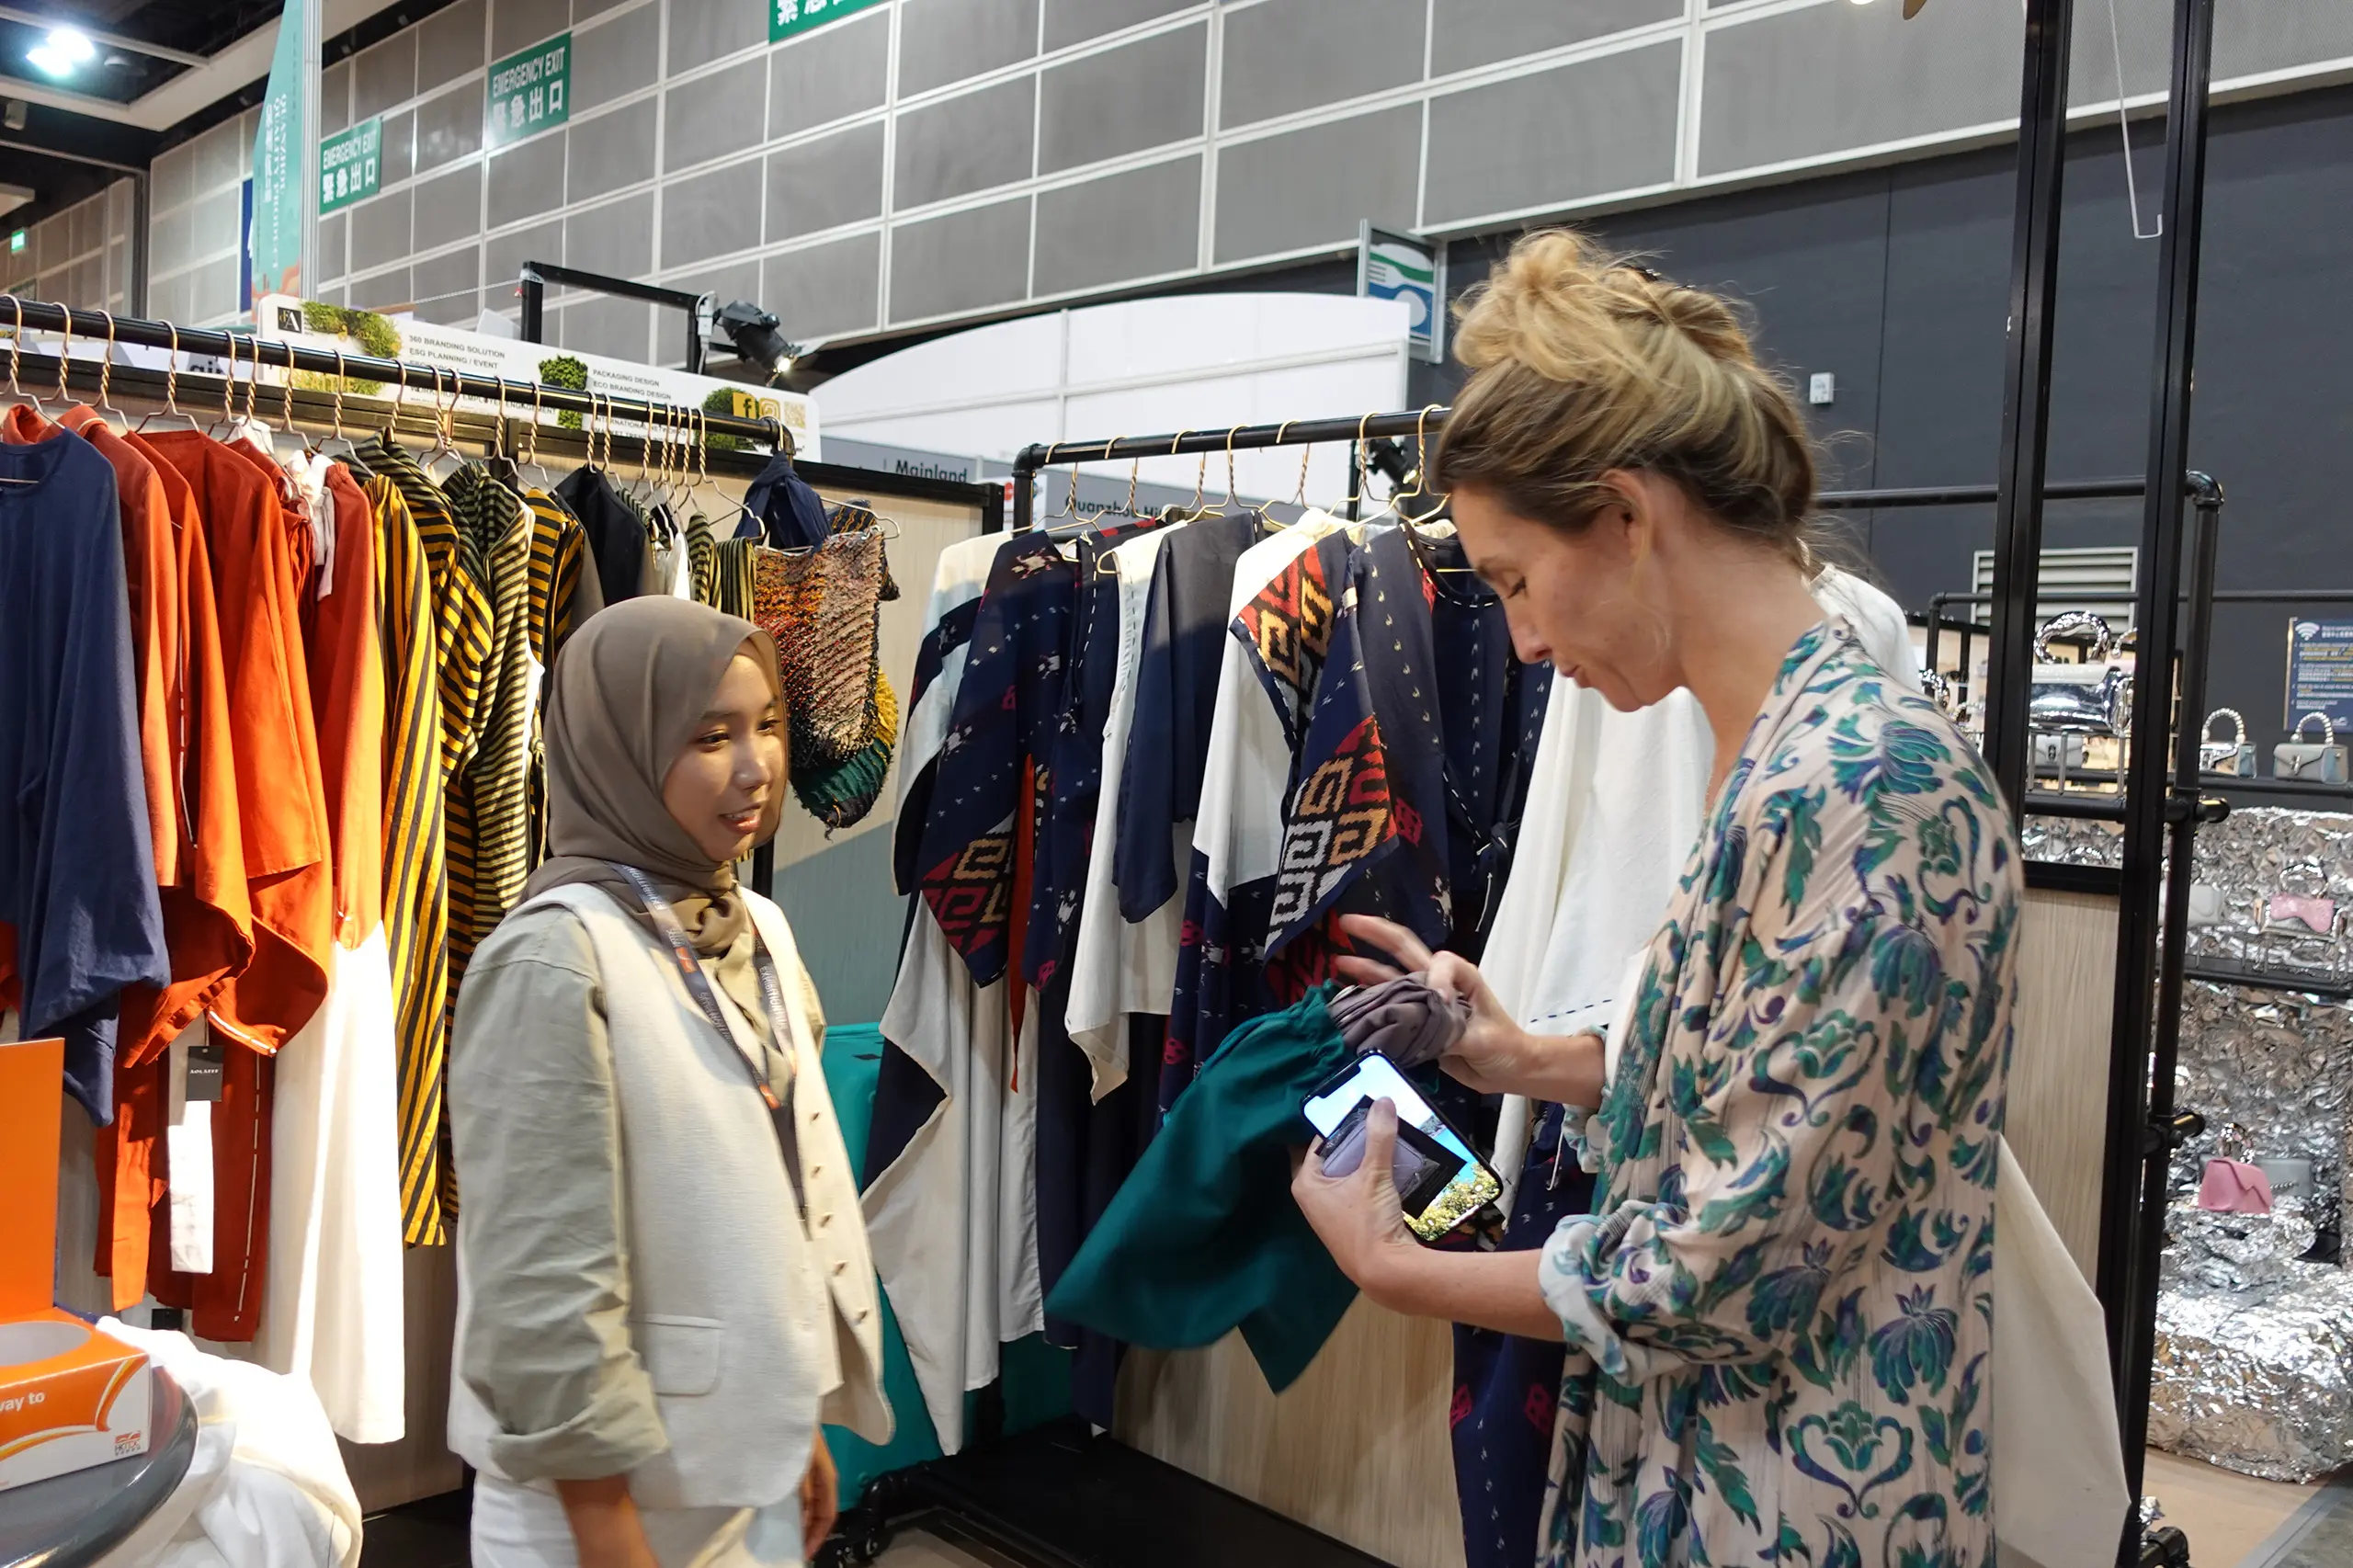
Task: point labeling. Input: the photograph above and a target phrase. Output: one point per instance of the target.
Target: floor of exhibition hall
(2232, 1520)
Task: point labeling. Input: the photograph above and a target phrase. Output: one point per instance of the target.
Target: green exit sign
(16, 242)
(789, 19)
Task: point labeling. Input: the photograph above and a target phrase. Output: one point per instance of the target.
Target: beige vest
(746, 1318)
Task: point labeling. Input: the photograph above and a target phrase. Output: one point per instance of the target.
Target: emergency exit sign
(791, 18)
(529, 93)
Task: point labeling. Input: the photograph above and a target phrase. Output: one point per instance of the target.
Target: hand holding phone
(1440, 1182)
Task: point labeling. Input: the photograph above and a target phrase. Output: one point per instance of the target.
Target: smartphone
(1440, 1182)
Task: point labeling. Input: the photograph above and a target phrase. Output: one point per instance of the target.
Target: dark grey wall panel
(449, 288)
(1480, 32)
(504, 256)
(610, 151)
(1142, 223)
(527, 179)
(1314, 185)
(517, 24)
(620, 328)
(451, 42)
(615, 58)
(333, 259)
(1556, 137)
(1146, 94)
(380, 292)
(967, 143)
(616, 239)
(825, 290)
(1835, 77)
(702, 31)
(946, 41)
(713, 116)
(1294, 54)
(448, 207)
(384, 75)
(379, 231)
(966, 261)
(335, 98)
(823, 184)
(449, 128)
(1075, 21)
(711, 214)
(400, 147)
(836, 71)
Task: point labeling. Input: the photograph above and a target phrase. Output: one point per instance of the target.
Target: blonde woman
(663, 1276)
(1780, 1310)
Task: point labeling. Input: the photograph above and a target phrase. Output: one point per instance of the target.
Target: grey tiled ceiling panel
(908, 162)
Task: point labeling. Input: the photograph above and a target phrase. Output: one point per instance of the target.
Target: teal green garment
(1034, 1378)
(1205, 1236)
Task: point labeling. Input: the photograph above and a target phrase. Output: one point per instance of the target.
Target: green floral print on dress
(1780, 1313)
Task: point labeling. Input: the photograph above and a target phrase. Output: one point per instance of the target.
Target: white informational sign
(1399, 267)
(279, 318)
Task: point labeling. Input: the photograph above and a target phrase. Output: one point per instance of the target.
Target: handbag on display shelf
(2292, 914)
(2232, 1187)
(2061, 753)
(2206, 907)
(2076, 699)
(2233, 758)
(2300, 758)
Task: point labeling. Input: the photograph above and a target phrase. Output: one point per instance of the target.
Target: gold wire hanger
(15, 353)
(171, 409)
(64, 361)
(228, 420)
(334, 413)
(531, 441)
(286, 398)
(106, 410)
(445, 420)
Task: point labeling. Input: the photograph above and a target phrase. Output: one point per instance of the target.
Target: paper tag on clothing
(205, 1065)
(188, 1146)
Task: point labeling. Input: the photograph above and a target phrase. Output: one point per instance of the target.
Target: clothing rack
(429, 393)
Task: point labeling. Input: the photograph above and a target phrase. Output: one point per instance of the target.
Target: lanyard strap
(666, 921)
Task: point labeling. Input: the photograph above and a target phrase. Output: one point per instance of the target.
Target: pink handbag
(2285, 912)
(2230, 1187)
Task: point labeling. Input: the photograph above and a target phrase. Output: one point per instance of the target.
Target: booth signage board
(284, 319)
(351, 163)
(530, 92)
(791, 18)
(273, 220)
(2320, 672)
(1399, 267)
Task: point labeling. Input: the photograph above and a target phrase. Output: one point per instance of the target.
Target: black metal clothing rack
(428, 391)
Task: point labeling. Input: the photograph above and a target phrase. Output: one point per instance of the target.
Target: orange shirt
(347, 695)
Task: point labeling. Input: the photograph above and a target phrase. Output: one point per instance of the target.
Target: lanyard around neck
(665, 922)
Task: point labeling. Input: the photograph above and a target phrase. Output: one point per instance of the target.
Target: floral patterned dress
(1780, 1313)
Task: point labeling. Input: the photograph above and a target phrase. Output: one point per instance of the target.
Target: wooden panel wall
(2058, 1101)
(1358, 1447)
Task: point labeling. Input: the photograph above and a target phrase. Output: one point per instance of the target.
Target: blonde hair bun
(1584, 362)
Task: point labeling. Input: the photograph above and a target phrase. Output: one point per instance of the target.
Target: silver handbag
(2076, 699)
(2059, 754)
(2233, 758)
(2299, 758)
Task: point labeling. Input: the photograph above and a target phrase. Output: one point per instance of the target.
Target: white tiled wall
(80, 257)
(195, 225)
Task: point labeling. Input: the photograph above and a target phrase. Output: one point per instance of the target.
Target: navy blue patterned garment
(1504, 1386)
(791, 515)
(953, 630)
(1285, 630)
(1008, 710)
(1176, 681)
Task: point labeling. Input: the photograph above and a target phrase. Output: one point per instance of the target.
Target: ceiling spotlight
(62, 52)
(753, 335)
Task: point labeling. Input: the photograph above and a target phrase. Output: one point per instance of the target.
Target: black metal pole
(696, 314)
(1023, 471)
(534, 290)
(2138, 1148)
(2026, 390)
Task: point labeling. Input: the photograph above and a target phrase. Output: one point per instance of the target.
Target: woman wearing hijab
(663, 1284)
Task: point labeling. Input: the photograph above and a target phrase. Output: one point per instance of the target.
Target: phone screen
(1467, 1186)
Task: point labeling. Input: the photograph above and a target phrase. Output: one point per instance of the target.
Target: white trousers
(523, 1527)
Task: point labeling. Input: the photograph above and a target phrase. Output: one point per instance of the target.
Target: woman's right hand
(605, 1529)
(1491, 1055)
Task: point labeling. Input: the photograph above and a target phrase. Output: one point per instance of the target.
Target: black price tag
(204, 1064)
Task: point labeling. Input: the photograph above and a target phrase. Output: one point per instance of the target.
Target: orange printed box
(69, 1397)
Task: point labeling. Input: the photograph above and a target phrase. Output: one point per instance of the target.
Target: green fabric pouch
(1204, 1235)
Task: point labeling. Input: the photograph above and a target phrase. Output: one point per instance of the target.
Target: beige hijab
(625, 695)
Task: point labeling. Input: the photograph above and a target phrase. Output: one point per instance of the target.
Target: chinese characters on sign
(350, 164)
(789, 18)
(529, 93)
(274, 232)
(2320, 671)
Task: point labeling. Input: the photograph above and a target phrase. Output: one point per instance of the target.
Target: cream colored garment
(2060, 1494)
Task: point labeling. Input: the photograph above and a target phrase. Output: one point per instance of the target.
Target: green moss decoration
(563, 370)
(722, 401)
(374, 335)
